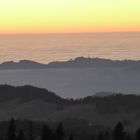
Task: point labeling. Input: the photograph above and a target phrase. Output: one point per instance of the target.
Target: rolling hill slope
(38, 104)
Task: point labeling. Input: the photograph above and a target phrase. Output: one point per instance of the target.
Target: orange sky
(62, 16)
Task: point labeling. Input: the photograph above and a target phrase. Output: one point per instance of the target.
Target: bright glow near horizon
(59, 16)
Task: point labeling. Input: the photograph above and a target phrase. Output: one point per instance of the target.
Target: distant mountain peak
(28, 61)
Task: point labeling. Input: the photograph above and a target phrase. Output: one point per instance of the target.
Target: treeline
(114, 103)
(14, 132)
(118, 133)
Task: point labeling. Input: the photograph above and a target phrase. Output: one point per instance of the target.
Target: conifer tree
(138, 134)
(46, 133)
(100, 137)
(71, 137)
(20, 135)
(31, 130)
(118, 132)
(128, 137)
(12, 130)
(59, 134)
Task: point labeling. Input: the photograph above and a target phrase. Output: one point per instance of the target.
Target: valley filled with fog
(76, 82)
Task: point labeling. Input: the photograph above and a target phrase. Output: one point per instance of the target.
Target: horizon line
(39, 33)
(71, 59)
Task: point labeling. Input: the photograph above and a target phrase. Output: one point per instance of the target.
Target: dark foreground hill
(28, 93)
(38, 104)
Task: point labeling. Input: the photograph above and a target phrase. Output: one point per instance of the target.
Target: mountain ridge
(79, 62)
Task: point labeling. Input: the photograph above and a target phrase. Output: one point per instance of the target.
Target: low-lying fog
(76, 82)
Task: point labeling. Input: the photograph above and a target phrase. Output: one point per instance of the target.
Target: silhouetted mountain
(93, 62)
(23, 64)
(81, 62)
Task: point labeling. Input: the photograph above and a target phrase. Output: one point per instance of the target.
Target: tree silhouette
(138, 134)
(59, 134)
(20, 135)
(106, 135)
(71, 137)
(118, 132)
(128, 137)
(1, 137)
(46, 133)
(100, 136)
(12, 130)
(93, 138)
(31, 130)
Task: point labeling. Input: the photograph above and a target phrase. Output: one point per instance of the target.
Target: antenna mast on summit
(88, 55)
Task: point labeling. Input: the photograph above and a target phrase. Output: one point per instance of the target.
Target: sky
(69, 16)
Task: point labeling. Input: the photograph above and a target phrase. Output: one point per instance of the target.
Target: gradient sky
(60, 16)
